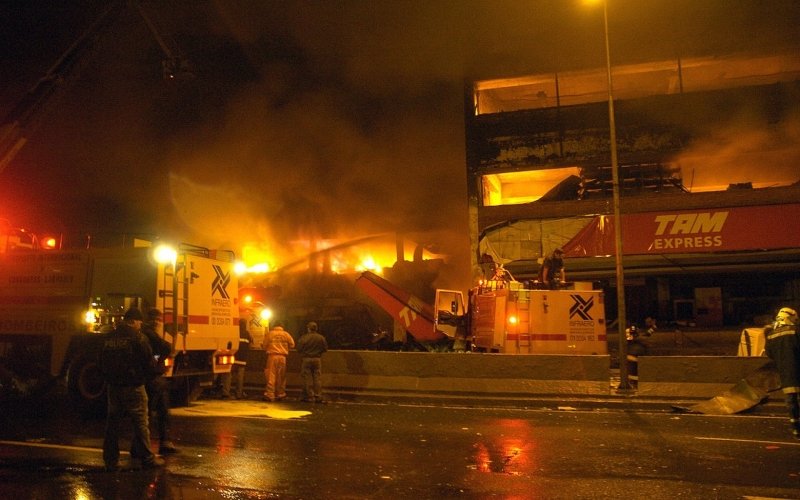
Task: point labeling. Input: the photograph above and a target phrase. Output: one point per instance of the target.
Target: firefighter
(277, 343)
(311, 346)
(636, 348)
(783, 347)
(125, 362)
(158, 386)
(551, 273)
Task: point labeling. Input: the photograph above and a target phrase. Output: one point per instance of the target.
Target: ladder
(524, 324)
(173, 293)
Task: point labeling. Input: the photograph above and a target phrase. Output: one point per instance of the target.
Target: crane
(21, 121)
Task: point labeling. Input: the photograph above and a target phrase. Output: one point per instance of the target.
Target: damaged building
(709, 164)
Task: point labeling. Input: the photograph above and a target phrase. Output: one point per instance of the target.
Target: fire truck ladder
(173, 293)
(523, 326)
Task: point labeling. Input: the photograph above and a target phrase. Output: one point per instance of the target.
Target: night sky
(303, 119)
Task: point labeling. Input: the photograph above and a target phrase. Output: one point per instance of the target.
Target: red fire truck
(54, 305)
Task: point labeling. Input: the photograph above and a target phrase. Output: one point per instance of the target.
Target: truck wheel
(86, 385)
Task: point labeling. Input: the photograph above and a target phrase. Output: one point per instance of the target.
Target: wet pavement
(369, 448)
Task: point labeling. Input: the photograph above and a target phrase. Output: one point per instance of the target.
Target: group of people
(782, 346)
(132, 364)
(135, 385)
(277, 344)
(311, 346)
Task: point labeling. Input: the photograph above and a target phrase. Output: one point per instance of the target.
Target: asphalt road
(363, 449)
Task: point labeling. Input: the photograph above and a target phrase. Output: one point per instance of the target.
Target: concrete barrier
(693, 376)
(505, 375)
(450, 373)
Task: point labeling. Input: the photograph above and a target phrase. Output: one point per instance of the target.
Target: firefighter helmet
(786, 316)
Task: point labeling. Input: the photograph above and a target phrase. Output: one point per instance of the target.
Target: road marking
(785, 443)
(57, 446)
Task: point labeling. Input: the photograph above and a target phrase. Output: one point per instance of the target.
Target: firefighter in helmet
(635, 349)
(783, 347)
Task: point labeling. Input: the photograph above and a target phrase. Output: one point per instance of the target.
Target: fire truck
(500, 316)
(56, 304)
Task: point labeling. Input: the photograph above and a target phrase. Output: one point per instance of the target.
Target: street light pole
(624, 383)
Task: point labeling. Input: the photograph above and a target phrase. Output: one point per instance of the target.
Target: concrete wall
(513, 375)
(694, 376)
(454, 373)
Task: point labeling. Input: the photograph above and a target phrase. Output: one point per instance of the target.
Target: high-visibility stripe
(780, 334)
(197, 319)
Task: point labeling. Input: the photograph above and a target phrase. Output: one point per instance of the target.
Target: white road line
(784, 443)
(56, 446)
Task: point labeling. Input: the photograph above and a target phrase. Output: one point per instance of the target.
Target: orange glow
(331, 255)
(257, 259)
(510, 453)
(513, 188)
(368, 264)
(226, 359)
(48, 243)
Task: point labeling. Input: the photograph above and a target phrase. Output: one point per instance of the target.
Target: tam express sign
(693, 231)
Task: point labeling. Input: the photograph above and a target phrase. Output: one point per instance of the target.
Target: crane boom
(21, 121)
(23, 118)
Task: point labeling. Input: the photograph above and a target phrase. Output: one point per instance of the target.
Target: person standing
(552, 273)
(636, 348)
(311, 346)
(239, 364)
(783, 347)
(126, 361)
(158, 386)
(277, 343)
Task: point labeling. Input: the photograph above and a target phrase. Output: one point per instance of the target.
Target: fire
(368, 263)
(329, 255)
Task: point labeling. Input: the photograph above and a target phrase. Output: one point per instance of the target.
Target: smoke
(349, 119)
(334, 119)
(742, 150)
(321, 174)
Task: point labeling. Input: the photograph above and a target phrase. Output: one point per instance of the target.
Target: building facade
(709, 168)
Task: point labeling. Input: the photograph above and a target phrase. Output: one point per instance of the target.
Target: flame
(333, 255)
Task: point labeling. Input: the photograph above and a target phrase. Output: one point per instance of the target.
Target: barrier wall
(694, 376)
(454, 373)
(513, 375)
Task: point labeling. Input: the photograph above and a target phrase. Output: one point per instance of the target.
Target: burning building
(708, 155)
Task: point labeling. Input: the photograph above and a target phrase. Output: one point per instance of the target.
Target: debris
(747, 393)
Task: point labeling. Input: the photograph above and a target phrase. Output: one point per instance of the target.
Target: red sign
(769, 227)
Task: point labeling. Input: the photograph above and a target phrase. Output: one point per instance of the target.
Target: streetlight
(624, 383)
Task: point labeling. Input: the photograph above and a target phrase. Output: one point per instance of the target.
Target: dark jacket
(160, 347)
(126, 358)
(552, 265)
(783, 347)
(312, 345)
